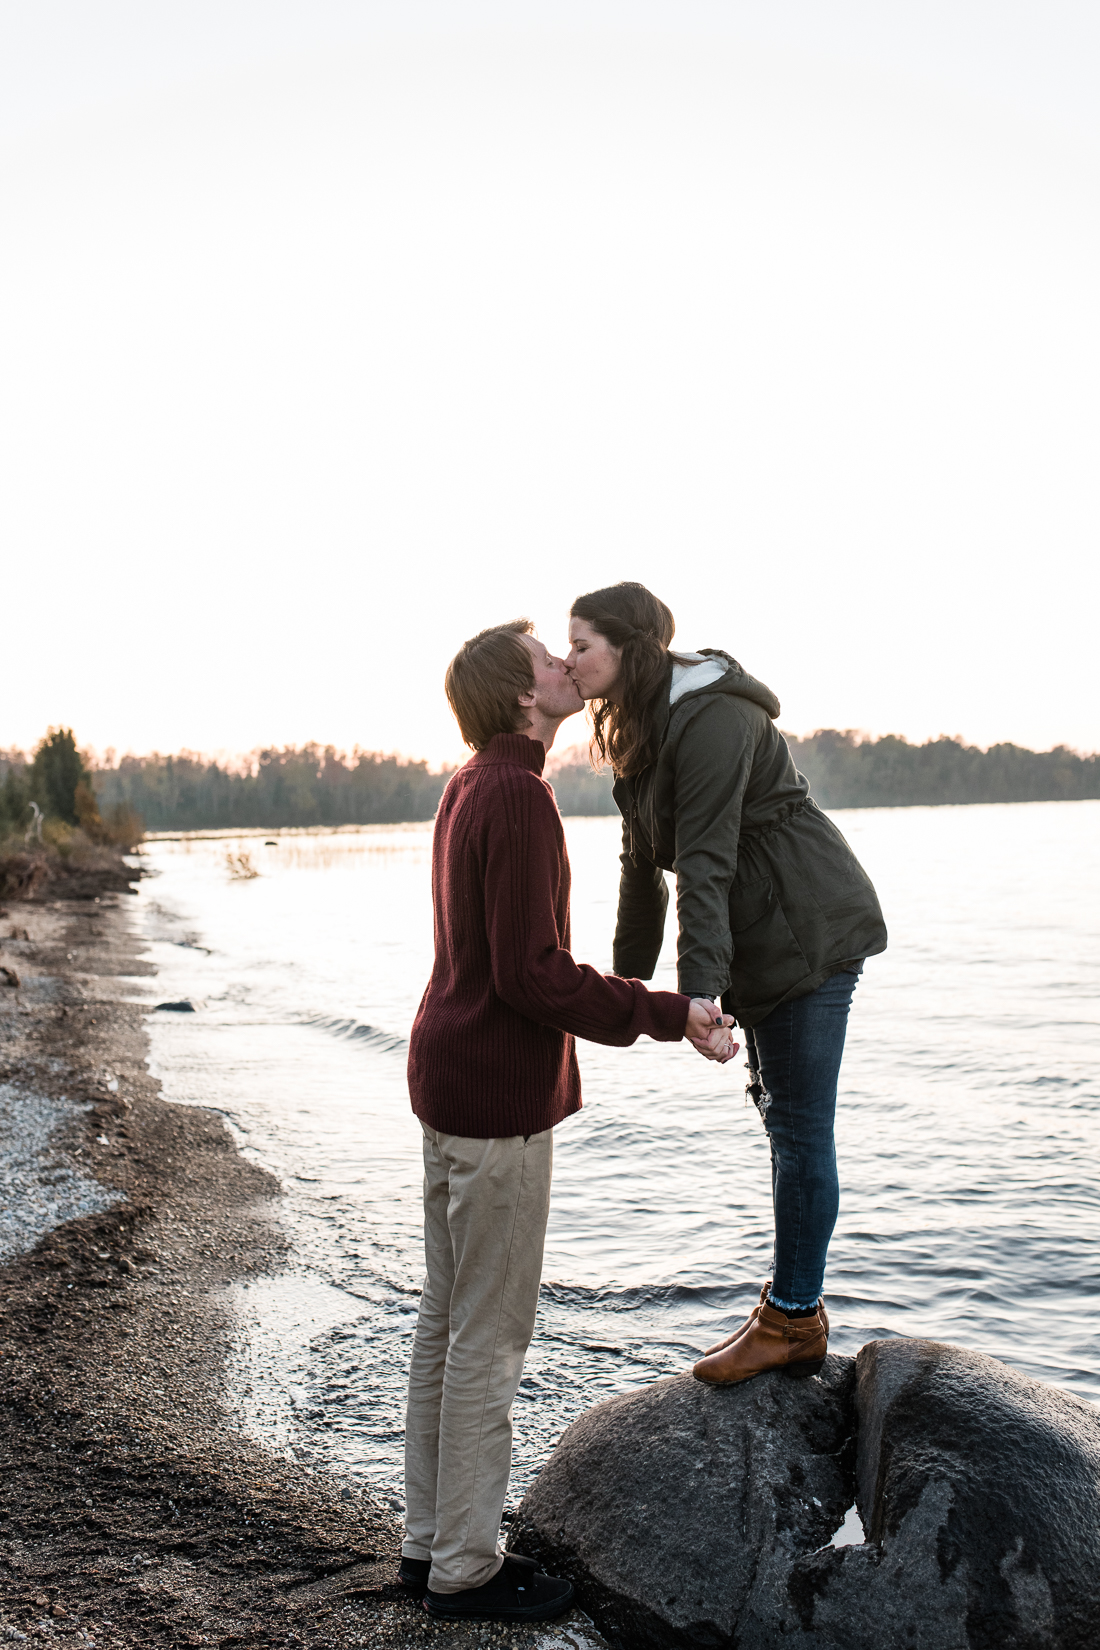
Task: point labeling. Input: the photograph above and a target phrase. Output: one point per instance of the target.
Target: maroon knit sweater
(492, 1045)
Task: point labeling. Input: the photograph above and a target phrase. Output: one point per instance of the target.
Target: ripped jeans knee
(758, 1094)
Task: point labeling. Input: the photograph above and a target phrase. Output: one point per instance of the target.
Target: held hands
(710, 1031)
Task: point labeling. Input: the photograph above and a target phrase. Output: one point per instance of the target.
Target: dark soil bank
(134, 1513)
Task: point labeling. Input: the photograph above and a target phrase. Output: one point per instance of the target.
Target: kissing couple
(775, 918)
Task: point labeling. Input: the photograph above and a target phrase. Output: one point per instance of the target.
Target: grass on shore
(67, 863)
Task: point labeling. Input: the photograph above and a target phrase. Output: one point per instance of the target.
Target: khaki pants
(485, 1209)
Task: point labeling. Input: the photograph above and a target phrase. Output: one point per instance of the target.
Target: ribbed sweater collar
(513, 748)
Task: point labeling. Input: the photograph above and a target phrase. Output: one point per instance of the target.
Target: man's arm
(532, 971)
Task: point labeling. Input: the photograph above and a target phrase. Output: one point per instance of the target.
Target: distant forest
(307, 786)
(317, 785)
(313, 785)
(846, 770)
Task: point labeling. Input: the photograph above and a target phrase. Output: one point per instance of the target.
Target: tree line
(51, 799)
(846, 770)
(319, 785)
(310, 785)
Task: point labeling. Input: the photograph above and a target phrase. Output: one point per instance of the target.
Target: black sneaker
(518, 1592)
(412, 1577)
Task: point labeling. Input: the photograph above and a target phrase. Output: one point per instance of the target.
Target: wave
(712, 1295)
(354, 1031)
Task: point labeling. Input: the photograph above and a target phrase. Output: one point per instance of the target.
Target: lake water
(968, 1122)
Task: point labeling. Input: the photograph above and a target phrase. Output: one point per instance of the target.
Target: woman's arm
(640, 924)
(713, 761)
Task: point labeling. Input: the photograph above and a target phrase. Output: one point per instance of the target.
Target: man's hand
(708, 1030)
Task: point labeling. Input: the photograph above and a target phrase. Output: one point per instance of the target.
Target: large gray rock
(679, 1510)
(695, 1516)
(979, 1490)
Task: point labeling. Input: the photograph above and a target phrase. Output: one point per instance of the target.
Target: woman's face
(592, 662)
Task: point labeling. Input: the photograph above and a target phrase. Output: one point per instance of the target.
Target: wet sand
(135, 1511)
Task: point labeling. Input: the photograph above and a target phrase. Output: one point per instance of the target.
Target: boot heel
(799, 1372)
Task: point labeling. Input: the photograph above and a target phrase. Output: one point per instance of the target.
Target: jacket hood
(738, 682)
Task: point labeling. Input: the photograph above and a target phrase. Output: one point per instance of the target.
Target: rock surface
(680, 1510)
(980, 1489)
(694, 1516)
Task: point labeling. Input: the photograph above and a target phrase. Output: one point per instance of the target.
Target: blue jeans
(794, 1062)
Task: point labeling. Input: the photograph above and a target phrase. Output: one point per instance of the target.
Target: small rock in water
(184, 1007)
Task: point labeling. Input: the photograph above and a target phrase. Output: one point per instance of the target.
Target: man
(492, 1071)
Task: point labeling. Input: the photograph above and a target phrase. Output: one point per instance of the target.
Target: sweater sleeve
(713, 764)
(532, 971)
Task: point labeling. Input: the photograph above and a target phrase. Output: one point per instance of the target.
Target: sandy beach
(135, 1511)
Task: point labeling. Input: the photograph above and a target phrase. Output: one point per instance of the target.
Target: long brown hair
(632, 618)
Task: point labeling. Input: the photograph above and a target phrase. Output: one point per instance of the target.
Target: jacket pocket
(748, 903)
(767, 959)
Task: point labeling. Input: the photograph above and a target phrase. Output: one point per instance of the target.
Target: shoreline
(137, 1511)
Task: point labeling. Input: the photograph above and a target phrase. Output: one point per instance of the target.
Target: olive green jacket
(770, 899)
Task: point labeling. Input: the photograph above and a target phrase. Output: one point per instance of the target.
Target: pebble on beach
(41, 1186)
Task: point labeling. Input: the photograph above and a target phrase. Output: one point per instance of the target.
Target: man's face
(556, 693)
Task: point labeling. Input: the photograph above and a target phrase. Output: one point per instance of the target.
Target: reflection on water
(967, 1131)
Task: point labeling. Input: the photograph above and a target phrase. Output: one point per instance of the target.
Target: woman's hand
(709, 1031)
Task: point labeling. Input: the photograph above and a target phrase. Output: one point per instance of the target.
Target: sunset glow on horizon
(334, 333)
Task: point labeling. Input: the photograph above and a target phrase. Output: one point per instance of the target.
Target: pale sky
(332, 332)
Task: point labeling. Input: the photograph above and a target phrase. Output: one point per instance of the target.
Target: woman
(775, 913)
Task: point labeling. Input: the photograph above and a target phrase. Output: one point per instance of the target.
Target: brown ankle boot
(752, 1317)
(749, 1321)
(771, 1340)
